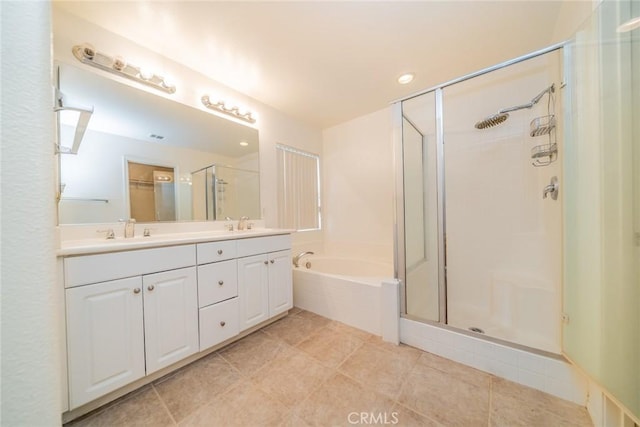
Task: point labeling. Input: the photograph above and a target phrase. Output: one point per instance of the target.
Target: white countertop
(102, 245)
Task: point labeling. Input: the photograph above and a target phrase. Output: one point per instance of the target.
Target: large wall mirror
(150, 157)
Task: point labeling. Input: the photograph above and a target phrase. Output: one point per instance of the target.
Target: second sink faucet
(242, 223)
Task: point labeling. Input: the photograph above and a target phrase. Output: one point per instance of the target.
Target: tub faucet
(296, 259)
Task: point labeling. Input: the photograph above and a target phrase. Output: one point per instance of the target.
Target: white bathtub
(346, 290)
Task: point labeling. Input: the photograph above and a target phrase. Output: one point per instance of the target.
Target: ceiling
(325, 62)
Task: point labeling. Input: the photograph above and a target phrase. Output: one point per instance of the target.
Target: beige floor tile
(381, 369)
(444, 398)
(294, 310)
(457, 370)
(330, 347)
(196, 385)
(142, 408)
(358, 333)
(341, 400)
(295, 329)
(293, 420)
(291, 377)
(407, 418)
(518, 405)
(244, 405)
(253, 352)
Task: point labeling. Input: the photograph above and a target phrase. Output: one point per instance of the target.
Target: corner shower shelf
(543, 155)
(542, 125)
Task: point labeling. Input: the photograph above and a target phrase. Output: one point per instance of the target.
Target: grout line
(490, 402)
(164, 405)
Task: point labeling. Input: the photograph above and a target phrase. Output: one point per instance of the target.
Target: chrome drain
(476, 329)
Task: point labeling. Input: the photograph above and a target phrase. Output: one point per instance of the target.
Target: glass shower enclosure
(479, 220)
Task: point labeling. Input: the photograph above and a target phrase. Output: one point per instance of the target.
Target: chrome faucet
(296, 259)
(242, 223)
(129, 227)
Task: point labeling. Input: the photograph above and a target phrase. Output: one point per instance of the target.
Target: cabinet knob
(136, 291)
(272, 261)
(266, 263)
(219, 251)
(151, 287)
(220, 282)
(223, 323)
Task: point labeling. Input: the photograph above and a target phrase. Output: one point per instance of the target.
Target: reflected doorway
(152, 194)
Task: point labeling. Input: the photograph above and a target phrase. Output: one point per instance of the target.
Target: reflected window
(298, 189)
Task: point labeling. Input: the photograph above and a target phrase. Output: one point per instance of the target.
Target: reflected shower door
(422, 294)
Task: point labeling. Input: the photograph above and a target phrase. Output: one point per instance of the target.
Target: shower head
(492, 121)
(503, 115)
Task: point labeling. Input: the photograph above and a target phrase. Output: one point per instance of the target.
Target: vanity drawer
(261, 245)
(217, 282)
(86, 269)
(218, 322)
(216, 251)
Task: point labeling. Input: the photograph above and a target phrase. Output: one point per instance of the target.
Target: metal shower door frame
(399, 225)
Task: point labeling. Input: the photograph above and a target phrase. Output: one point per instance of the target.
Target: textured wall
(30, 302)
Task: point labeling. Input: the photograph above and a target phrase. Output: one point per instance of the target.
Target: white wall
(30, 299)
(357, 187)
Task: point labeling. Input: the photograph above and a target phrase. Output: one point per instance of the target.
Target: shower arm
(533, 102)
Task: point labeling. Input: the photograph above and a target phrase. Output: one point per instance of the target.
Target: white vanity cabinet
(105, 338)
(170, 317)
(265, 279)
(132, 315)
(121, 330)
(217, 296)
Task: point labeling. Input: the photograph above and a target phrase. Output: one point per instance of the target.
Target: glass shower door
(503, 239)
(419, 157)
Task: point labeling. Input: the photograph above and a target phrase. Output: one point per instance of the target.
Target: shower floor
(466, 316)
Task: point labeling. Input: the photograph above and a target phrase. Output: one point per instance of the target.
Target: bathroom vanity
(139, 308)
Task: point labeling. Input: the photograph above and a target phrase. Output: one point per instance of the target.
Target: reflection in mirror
(151, 192)
(131, 125)
(221, 192)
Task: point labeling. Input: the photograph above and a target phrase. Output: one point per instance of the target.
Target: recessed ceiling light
(406, 78)
(244, 143)
(630, 25)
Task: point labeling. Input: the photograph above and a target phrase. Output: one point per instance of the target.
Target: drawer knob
(151, 287)
(223, 323)
(219, 251)
(136, 291)
(272, 261)
(266, 262)
(220, 282)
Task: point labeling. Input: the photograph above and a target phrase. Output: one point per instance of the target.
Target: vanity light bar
(233, 111)
(87, 54)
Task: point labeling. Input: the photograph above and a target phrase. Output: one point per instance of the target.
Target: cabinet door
(280, 282)
(170, 317)
(253, 290)
(105, 338)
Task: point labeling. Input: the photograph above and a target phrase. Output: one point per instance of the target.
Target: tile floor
(306, 370)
